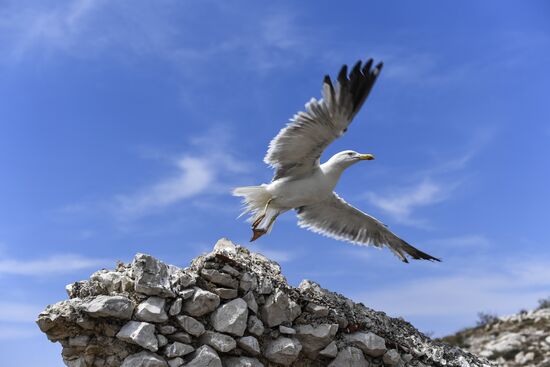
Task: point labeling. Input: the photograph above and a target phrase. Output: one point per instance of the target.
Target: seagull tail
(255, 199)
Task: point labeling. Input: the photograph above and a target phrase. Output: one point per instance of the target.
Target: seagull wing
(296, 150)
(337, 219)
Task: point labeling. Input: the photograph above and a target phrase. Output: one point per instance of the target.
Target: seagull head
(347, 158)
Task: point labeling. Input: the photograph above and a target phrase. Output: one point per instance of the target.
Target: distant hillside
(518, 340)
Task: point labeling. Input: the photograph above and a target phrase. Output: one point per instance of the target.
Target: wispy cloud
(56, 264)
(18, 312)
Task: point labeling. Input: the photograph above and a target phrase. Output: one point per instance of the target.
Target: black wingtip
(343, 74)
(327, 80)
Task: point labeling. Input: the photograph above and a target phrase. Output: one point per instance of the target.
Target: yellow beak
(366, 157)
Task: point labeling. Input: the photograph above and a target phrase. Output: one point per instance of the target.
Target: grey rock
(177, 349)
(231, 317)
(162, 341)
(230, 270)
(205, 356)
(226, 293)
(250, 345)
(140, 333)
(391, 357)
(220, 342)
(317, 310)
(180, 336)
(255, 326)
(175, 308)
(118, 307)
(166, 329)
(251, 302)
(176, 362)
(79, 341)
(266, 286)
(144, 359)
(283, 350)
(152, 310)
(315, 338)
(151, 276)
(330, 350)
(201, 303)
(278, 309)
(186, 293)
(249, 282)
(370, 343)
(242, 362)
(191, 325)
(349, 357)
(286, 330)
(217, 277)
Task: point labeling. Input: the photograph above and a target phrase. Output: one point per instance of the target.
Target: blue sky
(124, 125)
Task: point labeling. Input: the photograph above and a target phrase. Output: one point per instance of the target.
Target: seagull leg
(257, 233)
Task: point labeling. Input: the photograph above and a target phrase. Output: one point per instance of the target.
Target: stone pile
(230, 308)
(520, 340)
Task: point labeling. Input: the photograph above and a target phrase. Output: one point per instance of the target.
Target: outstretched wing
(337, 219)
(297, 148)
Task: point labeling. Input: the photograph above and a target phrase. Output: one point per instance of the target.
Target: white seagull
(302, 183)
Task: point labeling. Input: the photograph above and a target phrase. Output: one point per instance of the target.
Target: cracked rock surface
(231, 307)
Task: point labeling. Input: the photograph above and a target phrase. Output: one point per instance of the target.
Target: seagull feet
(257, 233)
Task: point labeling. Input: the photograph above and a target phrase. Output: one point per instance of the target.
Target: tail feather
(254, 199)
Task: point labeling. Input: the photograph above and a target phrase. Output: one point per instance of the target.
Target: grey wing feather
(297, 148)
(337, 219)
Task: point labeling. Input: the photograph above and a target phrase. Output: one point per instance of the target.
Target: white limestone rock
(162, 340)
(176, 362)
(317, 310)
(226, 293)
(140, 333)
(175, 308)
(219, 278)
(286, 330)
(370, 343)
(144, 359)
(151, 276)
(250, 345)
(118, 307)
(330, 350)
(278, 309)
(177, 349)
(231, 317)
(230, 270)
(191, 325)
(255, 326)
(202, 303)
(391, 357)
(205, 356)
(349, 357)
(152, 310)
(251, 302)
(242, 362)
(182, 337)
(221, 342)
(249, 282)
(283, 350)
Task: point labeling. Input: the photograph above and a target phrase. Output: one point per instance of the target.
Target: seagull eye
(350, 154)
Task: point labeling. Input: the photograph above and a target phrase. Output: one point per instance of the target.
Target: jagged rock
(144, 359)
(249, 344)
(251, 302)
(391, 357)
(218, 341)
(177, 349)
(182, 337)
(119, 307)
(278, 308)
(205, 356)
(230, 270)
(349, 357)
(315, 338)
(191, 325)
(175, 308)
(283, 350)
(166, 329)
(219, 278)
(249, 282)
(201, 303)
(330, 350)
(317, 310)
(286, 330)
(231, 317)
(266, 286)
(370, 343)
(140, 333)
(79, 341)
(186, 293)
(151, 276)
(152, 310)
(242, 362)
(162, 340)
(255, 326)
(226, 293)
(506, 344)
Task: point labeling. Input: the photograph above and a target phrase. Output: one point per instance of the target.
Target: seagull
(302, 183)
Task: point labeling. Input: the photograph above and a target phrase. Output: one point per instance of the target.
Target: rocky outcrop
(230, 308)
(521, 340)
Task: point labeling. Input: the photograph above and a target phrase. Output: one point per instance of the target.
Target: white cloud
(11, 332)
(18, 312)
(401, 204)
(56, 264)
(466, 241)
